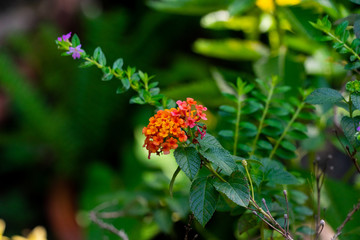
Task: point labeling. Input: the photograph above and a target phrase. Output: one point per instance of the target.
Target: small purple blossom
(64, 37)
(75, 51)
(358, 128)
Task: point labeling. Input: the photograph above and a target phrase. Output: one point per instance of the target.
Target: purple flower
(75, 51)
(358, 128)
(64, 37)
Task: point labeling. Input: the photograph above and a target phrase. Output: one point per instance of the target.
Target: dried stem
(121, 233)
(347, 219)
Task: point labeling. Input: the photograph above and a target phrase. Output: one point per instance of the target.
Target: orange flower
(168, 127)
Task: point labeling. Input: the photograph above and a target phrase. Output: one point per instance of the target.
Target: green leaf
(240, 6)
(355, 1)
(209, 141)
(220, 157)
(231, 49)
(99, 56)
(306, 230)
(118, 64)
(324, 95)
(275, 173)
(339, 31)
(86, 64)
(264, 145)
(352, 66)
(230, 96)
(274, 123)
(137, 100)
(107, 74)
(299, 126)
(75, 41)
(288, 145)
(355, 98)
(227, 108)
(203, 198)
(188, 159)
(125, 86)
(235, 189)
(349, 126)
(297, 135)
(226, 133)
(163, 219)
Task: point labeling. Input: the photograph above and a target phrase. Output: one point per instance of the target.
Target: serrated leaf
(349, 126)
(355, 98)
(188, 159)
(221, 158)
(99, 56)
(203, 198)
(209, 141)
(235, 189)
(275, 173)
(324, 95)
(75, 41)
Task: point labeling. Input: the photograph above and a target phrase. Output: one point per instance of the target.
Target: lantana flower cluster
(170, 126)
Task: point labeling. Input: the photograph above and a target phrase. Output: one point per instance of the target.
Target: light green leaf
(99, 56)
(324, 95)
(118, 64)
(75, 41)
(231, 49)
(235, 189)
(188, 159)
(203, 198)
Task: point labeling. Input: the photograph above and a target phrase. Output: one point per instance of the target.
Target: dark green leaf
(227, 108)
(137, 100)
(230, 96)
(355, 98)
(276, 174)
(288, 145)
(352, 66)
(163, 219)
(299, 126)
(209, 141)
(324, 95)
(188, 159)
(340, 29)
(221, 158)
(349, 126)
(297, 135)
(265, 145)
(285, 154)
(226, 133)
(203, 198)
(235, 189)
(274, 123)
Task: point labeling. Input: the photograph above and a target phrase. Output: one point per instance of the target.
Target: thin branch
(121, 233)
(347, 219)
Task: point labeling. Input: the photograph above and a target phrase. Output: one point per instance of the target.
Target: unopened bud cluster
(353, 86)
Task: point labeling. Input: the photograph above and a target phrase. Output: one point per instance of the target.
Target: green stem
(263, 118)
(249, 177)
(212, 170)
(286, 129)
(238, 115)
(178, 169)
(344, 44)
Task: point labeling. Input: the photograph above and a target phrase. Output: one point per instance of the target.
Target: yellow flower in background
(38, 233)
(2, 230)
(268, 5)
